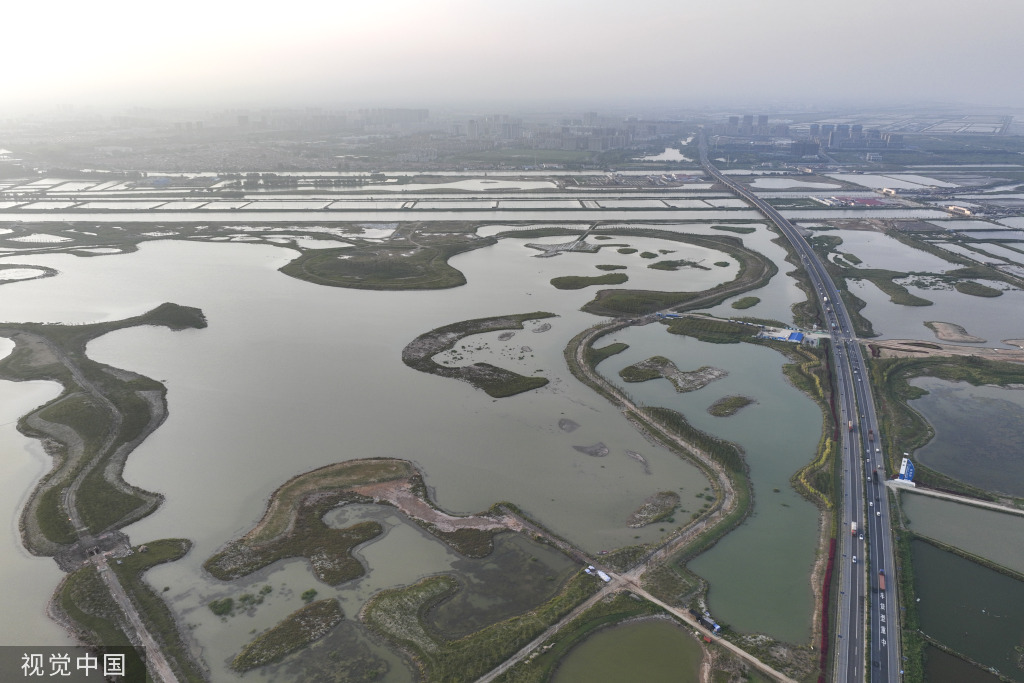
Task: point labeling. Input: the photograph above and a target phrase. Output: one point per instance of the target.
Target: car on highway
(855, 559)
(862, 537)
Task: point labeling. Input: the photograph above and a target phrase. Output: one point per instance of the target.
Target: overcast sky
(576, 52)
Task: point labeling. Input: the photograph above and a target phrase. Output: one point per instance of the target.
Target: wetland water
(759, 573)
(977, 433)
(22, 464)
(991, 319)
(653, 650)
(273, 388)
(996, 536)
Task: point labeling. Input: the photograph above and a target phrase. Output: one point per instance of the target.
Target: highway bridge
(867, 636)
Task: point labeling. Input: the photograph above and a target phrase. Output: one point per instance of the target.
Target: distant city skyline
(530, 53)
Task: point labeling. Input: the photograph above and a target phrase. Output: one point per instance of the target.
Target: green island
(293, 524)
(648, 254)
(676, 264)
(412, 261)
(581, 281)
(496, 382)
(729, 405)
(977, 289)
(627, 250)
(300, 628)
(659, 366)
(745, 302)
(608, 266)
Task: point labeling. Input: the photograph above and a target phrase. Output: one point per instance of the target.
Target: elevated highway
(867, 634)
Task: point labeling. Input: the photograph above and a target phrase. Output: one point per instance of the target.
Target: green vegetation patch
(84, 598)
(738, 229)
(746, 302)
(595, 356)
(609, 266)
(627, 250)
(396, 264)
(851, 258)
(729, 405)
(648, 254)
(398, 616)
(976, 289)
(722, 264)
(676, 264)
(710, 330)
(300, 628)
(581, 281)
(496, 382)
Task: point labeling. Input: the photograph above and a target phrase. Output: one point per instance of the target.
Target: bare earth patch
(909, 348)
(656, 507)
(401, 495)
(952, 333)
(683, 381)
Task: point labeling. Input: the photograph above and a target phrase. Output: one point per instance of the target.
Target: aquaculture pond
(653, 651)
(970, 608)
(977, 433)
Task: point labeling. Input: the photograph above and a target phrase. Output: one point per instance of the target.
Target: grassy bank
(154, 611)
(595, 356)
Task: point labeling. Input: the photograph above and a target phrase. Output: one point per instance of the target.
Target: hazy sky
(429, 52)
